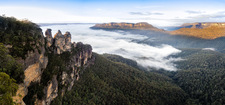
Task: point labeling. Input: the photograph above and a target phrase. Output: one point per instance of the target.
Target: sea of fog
(121, 43)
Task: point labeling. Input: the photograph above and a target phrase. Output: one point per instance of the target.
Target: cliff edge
(201, 30)
(140, 26)
(54, 71)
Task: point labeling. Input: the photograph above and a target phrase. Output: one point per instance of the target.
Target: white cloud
(212, 49)
(194, 12)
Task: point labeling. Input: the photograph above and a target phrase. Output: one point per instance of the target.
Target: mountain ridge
(124, 25)
(204, 30)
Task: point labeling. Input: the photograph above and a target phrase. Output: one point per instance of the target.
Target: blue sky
(156, 12)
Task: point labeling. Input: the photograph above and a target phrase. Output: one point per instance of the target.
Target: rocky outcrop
(81, 57)
(141, 26)
(37, 61)
(201, 30)
(33, 65)
(67, 36)
(61, 42)
(48, 36)
(51, 91)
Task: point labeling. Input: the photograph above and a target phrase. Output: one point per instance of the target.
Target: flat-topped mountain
(141, 26)
(206, 30)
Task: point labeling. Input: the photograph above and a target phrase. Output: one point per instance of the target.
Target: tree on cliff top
(8, 88)
(22, 35)
(9, 65)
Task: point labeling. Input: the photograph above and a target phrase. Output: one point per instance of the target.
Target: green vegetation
(54, 67)
(202, 76)
(23, 36)
(17, 38)
(35, 91)
(9, 65)
(8, 88)
(198, 58)
(107, 82)
(204, 86)
(117, 58)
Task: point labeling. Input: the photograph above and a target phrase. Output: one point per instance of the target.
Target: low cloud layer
(121, 43)
(212, 49)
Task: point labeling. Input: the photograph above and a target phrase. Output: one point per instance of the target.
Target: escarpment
(201, 30)
(53, 68)
(140, 26)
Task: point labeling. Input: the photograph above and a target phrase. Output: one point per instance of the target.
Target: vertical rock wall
(35, 64)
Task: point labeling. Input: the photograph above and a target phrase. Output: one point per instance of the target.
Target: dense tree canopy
(202, 76)
(8, 88)
(21, 35)
(9, 65)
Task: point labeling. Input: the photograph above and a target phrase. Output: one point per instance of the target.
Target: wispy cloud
(212, 49)
(145, 13)
(210, 16)
(194, 12)
(222, 12)
(217, 15)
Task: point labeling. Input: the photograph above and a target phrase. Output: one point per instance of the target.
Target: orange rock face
(202, 30)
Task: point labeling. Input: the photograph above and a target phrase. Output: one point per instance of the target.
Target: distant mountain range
(204, 30)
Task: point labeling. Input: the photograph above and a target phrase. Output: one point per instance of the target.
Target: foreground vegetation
(23, 35)
(16, 39)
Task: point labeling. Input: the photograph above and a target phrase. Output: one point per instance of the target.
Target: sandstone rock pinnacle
(48, 34)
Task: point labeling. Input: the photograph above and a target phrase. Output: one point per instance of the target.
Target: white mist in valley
(121, 43)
